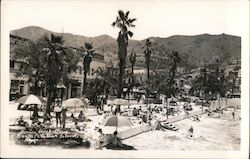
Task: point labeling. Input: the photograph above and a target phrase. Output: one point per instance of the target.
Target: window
(12, 64)
(21, 82)
(80, 69)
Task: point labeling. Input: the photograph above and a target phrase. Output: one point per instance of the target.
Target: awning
(62, 86)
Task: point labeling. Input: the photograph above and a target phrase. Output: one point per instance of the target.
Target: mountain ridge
(192, 48)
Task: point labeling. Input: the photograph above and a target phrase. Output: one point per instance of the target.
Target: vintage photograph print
(127, 76)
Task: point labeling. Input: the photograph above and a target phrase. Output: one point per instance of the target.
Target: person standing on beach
(64, 116)
(150, 118)
(101, 139)
(58, 110)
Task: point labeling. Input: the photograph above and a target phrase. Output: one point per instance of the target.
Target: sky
(158, 18)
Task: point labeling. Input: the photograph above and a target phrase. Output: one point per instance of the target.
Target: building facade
(76, 77)
(18, 82)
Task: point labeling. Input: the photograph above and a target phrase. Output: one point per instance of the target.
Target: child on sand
(191, 131)
(233, 114)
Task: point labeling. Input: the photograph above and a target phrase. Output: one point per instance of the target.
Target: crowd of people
(60, 115)
(59, 118)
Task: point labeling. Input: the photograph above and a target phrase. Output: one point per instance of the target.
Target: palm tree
(123, 22)
(87, 58)
(147, 53)
(54, 67)
(175, 59)
(108, 81)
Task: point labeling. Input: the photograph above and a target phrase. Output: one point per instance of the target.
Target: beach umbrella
(120, 101)
(73, 103)
(31, 99)
(110, 102)
(84, 101)
(117, 121)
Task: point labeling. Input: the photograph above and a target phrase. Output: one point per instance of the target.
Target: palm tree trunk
(36, 88)
(132, 83)
(49, 100)
(84, 82)
(147, 89)
(62, 93)
(120, 82)
(148, 71)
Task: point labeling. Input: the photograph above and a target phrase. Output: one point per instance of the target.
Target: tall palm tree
(123, 22)
(175, 59)
(147, 53)
(87, 59)
(54, 69)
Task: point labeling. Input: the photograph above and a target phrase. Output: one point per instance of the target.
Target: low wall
(134, 131)
(128, 133)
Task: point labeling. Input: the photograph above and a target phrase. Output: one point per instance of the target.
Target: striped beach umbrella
(31, 99)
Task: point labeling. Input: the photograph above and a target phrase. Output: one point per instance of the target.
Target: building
(76, 77)
(19, 84)
(140, 75)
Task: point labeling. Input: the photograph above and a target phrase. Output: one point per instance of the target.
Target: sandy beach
(210, 133)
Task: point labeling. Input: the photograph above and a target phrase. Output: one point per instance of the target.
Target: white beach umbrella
(120, 101)
(31, 99)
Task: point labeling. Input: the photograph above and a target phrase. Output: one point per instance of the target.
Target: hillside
(192, 49)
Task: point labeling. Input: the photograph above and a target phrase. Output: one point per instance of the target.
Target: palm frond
(121, 14)
(127, 13)
(130, 21)
(130, 33)
(113, 24)
(88, 46)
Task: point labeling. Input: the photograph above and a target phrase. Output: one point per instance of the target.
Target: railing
(224, 103)
(184, 116)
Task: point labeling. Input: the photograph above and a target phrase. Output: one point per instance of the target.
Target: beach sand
(209, 134)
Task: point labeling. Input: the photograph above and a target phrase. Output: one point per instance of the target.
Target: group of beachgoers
(146, 115)
(60, 114)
